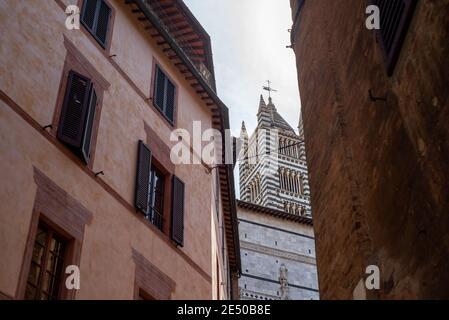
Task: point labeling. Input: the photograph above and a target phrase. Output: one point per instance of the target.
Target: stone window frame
(150, 282)
(61, 212)
(76, 61)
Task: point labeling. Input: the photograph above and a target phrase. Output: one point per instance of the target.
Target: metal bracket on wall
(99, 173)
(374, 98)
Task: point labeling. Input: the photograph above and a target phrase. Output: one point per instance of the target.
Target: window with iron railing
(156, 199)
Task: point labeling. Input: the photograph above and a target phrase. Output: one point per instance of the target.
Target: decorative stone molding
(276, 252)
(61, 211)
(150, 279)
(251, 295)
(58, 206)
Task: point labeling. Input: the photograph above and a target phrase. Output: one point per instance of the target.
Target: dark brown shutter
(159, 89)
(170, 101)
(89, 13)
(177, 219)
(74, 111)
(164, 94)
(103, 23)
(95, 17)
(143, 178)
(395, 16)
(85, 148)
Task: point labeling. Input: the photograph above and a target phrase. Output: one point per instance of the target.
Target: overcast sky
(249, 39)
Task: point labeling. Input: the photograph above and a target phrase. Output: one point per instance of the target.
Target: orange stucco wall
(32, 56)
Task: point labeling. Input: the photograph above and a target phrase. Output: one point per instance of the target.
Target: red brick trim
(60, 207)
(79, 60)
(150, 279)
(65, 214)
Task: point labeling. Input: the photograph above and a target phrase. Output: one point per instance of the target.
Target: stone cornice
(277, 253)
(274, 212)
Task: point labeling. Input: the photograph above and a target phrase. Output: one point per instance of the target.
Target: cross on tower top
(269, 88)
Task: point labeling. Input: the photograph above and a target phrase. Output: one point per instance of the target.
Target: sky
(249, 39)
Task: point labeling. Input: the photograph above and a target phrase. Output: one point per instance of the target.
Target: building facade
(86, 118)
(273, 168)
(278, 255)
(275, 219)
(375, 111)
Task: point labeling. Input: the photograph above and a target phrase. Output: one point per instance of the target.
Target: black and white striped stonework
(273, 168)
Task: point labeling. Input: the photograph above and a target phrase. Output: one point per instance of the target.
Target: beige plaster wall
(31, 67)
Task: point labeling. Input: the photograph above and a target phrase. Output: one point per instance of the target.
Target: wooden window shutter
(103, 23)
(170, 100)
(177, 219)
(143, 178)
(85, 147)
(395, 17)
(164, 94)
(96, 17)
(89, 13)
(159, 89)
(74, 110)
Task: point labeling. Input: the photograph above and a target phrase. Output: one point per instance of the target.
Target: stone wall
(266, 244)
(377, 169)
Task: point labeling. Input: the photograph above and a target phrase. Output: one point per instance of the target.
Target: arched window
(301, 184)
(292, 179)
(293, 182)
(280, 178)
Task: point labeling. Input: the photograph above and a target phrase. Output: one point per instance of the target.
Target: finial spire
(262, 101)
(243, 133)
(269, 89)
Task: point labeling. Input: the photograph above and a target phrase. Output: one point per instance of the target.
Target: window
(164, 94)
(149, 195)
(77, 115)
(395, 16)
(95, 16)
(47, 265)
(156, 197)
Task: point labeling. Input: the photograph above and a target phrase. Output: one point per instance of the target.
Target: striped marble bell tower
(273, 170)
